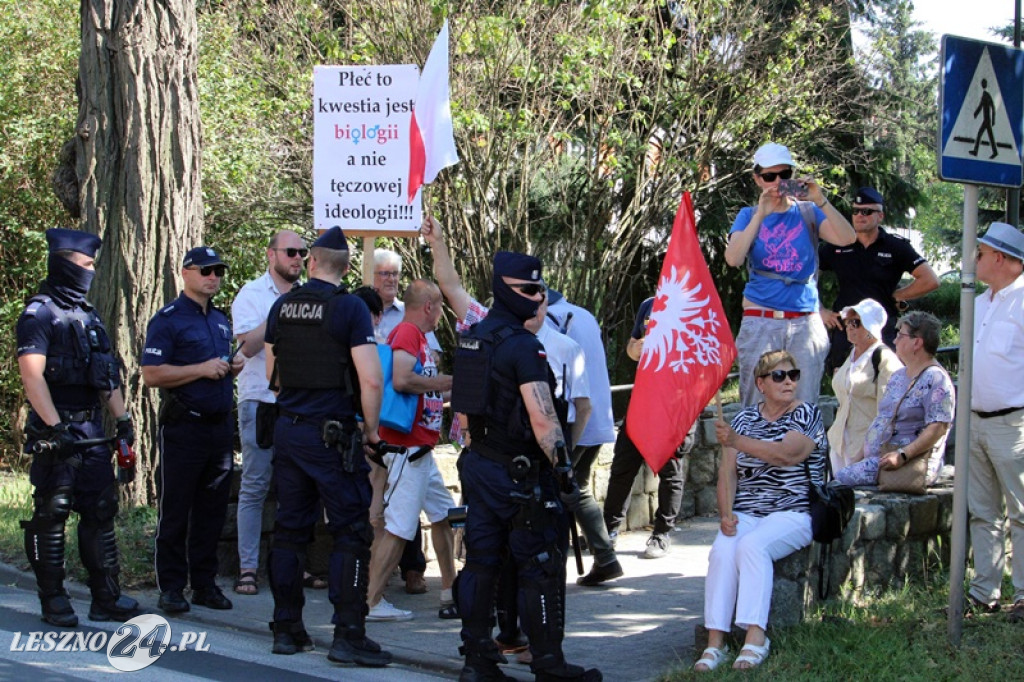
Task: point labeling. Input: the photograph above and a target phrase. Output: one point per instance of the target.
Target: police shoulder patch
(33, 308)
(169, 310)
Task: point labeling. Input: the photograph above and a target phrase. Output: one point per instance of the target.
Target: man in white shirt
(285, 255)
(995, 486)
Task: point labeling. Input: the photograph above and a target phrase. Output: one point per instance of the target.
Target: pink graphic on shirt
(782, 254)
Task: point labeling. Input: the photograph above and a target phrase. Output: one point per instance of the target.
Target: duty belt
(79, 415)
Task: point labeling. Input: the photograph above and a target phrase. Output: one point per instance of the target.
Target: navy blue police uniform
(196, 437)
(80, 373)
(318, 457)
(509, 487)
(872, 271)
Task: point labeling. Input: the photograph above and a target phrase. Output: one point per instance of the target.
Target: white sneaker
(385, 611)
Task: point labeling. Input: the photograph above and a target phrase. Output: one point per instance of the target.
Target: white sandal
(717, 656)
(755, 656)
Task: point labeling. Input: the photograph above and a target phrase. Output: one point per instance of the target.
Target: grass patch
(899, 635)
(135, 528)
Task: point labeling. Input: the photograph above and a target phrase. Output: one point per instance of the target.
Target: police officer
(188, 354)
(503, 384)
(317, 334)
(69, 371)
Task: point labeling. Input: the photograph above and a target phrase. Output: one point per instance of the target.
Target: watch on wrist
(903, 455)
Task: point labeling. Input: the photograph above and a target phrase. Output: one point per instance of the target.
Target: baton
(41, 446)
(566, 483)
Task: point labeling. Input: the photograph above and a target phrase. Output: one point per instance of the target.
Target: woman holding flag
(767, 455)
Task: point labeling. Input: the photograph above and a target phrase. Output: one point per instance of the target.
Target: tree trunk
(138, 162)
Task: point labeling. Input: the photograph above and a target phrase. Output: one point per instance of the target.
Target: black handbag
(831, 507)
(266, 420)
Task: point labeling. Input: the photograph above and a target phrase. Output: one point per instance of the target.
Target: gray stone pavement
(633, 628)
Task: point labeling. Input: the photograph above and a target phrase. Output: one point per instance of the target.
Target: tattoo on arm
(547, 440)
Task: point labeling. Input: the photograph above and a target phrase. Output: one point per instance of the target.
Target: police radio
(125, 462)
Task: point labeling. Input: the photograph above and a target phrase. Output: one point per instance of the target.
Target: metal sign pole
(958, 551)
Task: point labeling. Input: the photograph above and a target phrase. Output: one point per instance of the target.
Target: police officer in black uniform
(322, 355)
(188, 354)
(502, 382)
(69, 372)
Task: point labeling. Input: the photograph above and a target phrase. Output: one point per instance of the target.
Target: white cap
(872, 315)
(772, 154)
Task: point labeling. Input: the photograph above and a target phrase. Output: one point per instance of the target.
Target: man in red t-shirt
(414, 482)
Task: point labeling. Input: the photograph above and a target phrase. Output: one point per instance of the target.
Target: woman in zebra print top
(762, 502)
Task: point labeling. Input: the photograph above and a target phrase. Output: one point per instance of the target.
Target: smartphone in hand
(793, 188)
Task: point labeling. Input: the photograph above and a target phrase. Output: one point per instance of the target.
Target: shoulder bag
(912, 476)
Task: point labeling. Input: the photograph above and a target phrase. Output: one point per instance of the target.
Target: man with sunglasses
(286, 254)
(188, 355)
(872, 267)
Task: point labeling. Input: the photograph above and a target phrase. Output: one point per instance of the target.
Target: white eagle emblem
(683, 327)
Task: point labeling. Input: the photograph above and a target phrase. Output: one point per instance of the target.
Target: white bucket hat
(872, 315)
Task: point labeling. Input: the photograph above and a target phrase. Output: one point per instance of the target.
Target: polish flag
(688, 349)
(431, 140)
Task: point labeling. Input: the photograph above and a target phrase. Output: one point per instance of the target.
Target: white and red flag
(688, 349)
(431, 138)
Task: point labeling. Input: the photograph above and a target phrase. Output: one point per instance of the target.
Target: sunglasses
(784, 174)
(292, 253)
(207, 270)
(388, 273)
(855, 323)
(779, 375)
(530, 289)
(865, 211)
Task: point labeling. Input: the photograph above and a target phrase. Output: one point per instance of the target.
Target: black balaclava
(68, 281)
(519, 266)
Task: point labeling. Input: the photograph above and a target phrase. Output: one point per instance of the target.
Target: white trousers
(740, 568)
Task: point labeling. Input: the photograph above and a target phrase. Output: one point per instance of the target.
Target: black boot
(349, 576)
(97, 545)
(290, 638)
(44, 547)
(482, 660)
(566, 672)
(120, 608)
(351, 645)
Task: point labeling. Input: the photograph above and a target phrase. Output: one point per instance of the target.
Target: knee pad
(106, 507)
(353, 536)
(54, 507)
(293, 539)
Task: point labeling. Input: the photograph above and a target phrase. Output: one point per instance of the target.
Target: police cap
(63, 239)
(517, 265)
(333, 238)
(868, 195)
(201, 256)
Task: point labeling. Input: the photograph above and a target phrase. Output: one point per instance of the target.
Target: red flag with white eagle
(688, 349)
(431, 138)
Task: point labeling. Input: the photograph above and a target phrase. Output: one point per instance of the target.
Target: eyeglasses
(865, 211)
(292, 253)
(530, 289)
(388, 273)
(855, 323)
(770, 177)
(904, 335)
(779, 375)
(208, 270)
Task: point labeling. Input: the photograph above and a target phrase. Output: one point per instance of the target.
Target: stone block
(897, 516)
(701, 468)
(229, 531)
(797, 564)
(599, 483)
(647, 480)
(880, 558)
(605, 455)
(640, 510)
(787, 603)
(706, 502)
(688, 508)
(872, 522)
(924, 514)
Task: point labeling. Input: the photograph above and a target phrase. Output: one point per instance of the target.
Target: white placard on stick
(361, 149)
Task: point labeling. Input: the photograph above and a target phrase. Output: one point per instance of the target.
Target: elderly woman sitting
(763, 505)
(915, 413)
(860, 382)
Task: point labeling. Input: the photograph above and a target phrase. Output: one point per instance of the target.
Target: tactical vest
(306, 355)
(79, 353)
(499, 424)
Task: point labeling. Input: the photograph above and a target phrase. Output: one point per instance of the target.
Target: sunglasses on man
(779, 375)
(207, 270)
(292, 253)
(770, 176)
(865, 211)
(530, 289)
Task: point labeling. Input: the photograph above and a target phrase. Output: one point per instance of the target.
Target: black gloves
(125, 429)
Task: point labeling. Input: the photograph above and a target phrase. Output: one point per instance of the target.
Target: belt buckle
(778, 314)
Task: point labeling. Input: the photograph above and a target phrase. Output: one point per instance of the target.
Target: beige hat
(872, 315)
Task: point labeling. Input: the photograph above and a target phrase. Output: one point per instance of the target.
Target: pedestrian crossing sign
(981, 105)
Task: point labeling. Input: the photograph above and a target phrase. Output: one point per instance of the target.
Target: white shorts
(414, 486)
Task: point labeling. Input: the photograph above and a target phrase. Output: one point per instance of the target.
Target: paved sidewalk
(633, 628)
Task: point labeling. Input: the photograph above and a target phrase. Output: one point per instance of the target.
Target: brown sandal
(314, 582)
(247, 583)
